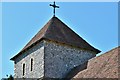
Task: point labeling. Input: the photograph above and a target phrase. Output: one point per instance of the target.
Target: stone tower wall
(50, 59)
(37, 54)
(60, 59)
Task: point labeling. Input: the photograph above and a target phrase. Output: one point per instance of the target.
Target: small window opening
(23, 69)
(31, 64)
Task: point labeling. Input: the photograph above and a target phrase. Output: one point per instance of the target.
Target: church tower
(52, 53)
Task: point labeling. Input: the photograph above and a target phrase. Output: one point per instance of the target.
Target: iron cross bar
(54, 6)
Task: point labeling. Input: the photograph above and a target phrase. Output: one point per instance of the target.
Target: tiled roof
(56, 30)
(103, 66)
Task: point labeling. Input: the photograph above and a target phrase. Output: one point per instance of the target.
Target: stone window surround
(31, 64)
(23, 69)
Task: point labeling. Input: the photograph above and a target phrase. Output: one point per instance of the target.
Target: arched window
(31, 64)
(23, 69)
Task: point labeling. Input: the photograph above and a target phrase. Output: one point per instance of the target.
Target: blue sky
(96, 22)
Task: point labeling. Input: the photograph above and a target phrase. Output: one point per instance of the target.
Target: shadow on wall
(76, 70)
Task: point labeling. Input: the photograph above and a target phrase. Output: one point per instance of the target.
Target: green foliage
(10, 77)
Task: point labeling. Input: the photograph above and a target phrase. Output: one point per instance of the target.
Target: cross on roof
(54, 6)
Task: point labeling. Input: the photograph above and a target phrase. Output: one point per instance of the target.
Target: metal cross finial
(54, 6)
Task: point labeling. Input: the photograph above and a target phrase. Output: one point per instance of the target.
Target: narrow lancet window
(23, 69)
(31, 64)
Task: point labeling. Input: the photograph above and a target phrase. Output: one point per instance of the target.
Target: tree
(10, 77)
